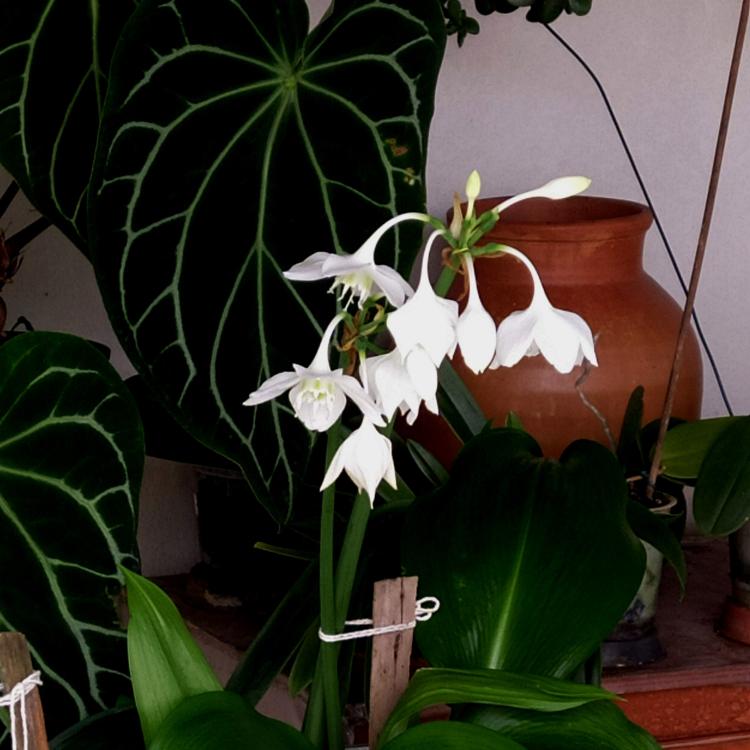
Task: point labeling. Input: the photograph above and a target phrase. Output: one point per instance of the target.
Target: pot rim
(626, 218)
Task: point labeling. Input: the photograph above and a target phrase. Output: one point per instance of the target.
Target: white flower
(561, 337)
(476, 331)
(366, 456)
(562, 187)
(425, 320)
(318, 394)
(395, 384)
(473, 186)
(357, 274)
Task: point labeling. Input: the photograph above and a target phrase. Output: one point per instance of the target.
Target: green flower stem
(447, 275)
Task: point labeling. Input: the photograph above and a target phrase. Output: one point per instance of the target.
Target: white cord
(17, 697)
(426, 608)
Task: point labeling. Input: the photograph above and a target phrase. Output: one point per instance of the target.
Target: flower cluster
(425, 329)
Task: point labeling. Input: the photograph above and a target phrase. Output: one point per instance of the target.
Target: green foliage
(543, 11)
(223, 721)
(55, 57)
(453, 735)
(430, 687)
(533, 560)
(166, 665)
(71, 459)
(116, 729)
(686, 445)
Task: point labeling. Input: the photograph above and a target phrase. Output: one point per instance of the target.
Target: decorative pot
(589, 254)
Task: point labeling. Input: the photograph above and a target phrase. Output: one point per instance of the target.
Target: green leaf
(533, 561)
(71, 459)
(166, 665)
(629, 446)
(55, 57)
(303, 667)
(430, 467)
(223, 721)
(450, 735)
(590, 727)
(233, 147)
(116, 729)
(457, 405)
(721, 503)
(686, 445)
(430, 687)
(513, 420)
(272, 648)
(657, 530)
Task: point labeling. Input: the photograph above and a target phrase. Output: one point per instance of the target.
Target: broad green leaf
(166, 665)
(686, 445)
(54, 57)
(71, 459)
(116, 729)
(431, 687)
(272, 648)
(591, 727)
(721, 503)
(223, 721)
(533, 560)
(450, 735)
(235, 145)
(659, 532)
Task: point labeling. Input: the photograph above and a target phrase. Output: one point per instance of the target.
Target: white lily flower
(394, 384)
(561, 337)
(562, 187)
(366, 456)
(425, 320)
(476, 332)
(318, 394)
(358, 275)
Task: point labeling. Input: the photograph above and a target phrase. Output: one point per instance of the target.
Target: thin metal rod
(700, 251)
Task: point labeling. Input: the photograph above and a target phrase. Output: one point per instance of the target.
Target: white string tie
(17, 697)
(426, 608)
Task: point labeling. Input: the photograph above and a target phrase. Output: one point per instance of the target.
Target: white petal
(310, 269)
(477, 338)
(339, 265)
(394, 287)
(560, 335)
(315, 412)
(351, 387)
(422, 372)
(274, 386)
(515, 335)
(336, 467)
(389, 383)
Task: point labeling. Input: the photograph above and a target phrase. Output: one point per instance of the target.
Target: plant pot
(589, 254)
(735, 618)
(634, 641)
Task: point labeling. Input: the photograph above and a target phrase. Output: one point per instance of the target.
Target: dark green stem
(445, 280)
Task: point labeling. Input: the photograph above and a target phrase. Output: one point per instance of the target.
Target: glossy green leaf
(659, 532)
(223, 721)
(116, 729)
(533, 560)
(71, 459)
(450, 735)
(721, 503)
(305, 660)
(591, 727)
(272, 648)
(166, 665)
(686, 445)
(431, 687)
(234, 146)
(54, 57)
(629, 446)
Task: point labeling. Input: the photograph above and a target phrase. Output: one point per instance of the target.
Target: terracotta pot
(589, 254)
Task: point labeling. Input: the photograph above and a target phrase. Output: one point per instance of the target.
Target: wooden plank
(394, 602)
(15, 667)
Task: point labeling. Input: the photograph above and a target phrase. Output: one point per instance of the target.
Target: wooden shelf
(699, 695)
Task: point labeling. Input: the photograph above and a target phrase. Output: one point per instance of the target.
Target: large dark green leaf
(721, 503)
(533, 561)
(431, 687)
(223, 721)
(234, 146)
(591, 727)
(116, 729)
(450, 735)
(54, 58)
(71, 457)
(686, 445)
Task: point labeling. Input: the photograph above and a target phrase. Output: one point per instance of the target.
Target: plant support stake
(701, 248)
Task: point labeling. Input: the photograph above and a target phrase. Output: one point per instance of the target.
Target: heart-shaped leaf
(721, 503)
(591, 727)
(71, 457)
(533, 561)
(54, 57)
(234, 146)
(223, 721)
